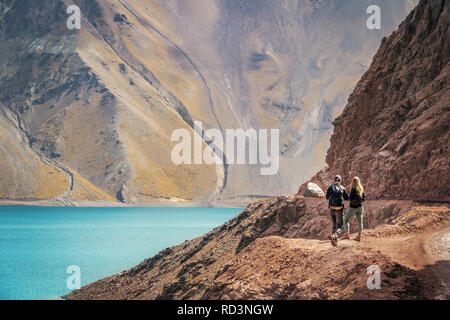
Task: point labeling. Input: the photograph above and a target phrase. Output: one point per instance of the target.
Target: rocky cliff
(96, 107)
(394, 132)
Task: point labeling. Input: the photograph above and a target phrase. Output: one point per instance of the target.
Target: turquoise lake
(38, 244)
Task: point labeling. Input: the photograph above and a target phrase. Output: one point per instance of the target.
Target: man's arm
(328, 193)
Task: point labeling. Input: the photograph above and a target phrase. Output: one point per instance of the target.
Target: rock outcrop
(313, 191)
(394, 132)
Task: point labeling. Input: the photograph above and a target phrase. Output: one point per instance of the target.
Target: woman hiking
(357, 198)
(336, 194)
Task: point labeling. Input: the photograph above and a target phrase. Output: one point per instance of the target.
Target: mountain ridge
(103, 101)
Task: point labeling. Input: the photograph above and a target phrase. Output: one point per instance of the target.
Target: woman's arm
(352, 195)
(346, 197)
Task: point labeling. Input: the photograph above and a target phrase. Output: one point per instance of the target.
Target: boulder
(313, 191)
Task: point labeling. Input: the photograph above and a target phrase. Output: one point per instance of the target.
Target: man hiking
(336, 194)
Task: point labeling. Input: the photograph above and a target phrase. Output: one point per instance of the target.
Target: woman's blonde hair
(356, 184)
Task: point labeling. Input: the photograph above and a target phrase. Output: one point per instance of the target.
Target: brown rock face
(257, 255)
(187, 270)
(394, 132)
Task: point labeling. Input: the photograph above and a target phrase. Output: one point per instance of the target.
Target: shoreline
(113, 204)
(167, 204)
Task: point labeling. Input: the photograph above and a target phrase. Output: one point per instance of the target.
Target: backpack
(336, 196)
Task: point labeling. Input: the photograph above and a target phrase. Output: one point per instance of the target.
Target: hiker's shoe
(358, 238)
(345, 236)
(333, 240)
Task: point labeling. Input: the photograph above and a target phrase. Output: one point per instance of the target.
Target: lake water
(38, 244)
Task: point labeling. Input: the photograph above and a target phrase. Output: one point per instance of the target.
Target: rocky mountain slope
(258, 255)
(394, 132)
(275, 249)
(97, 106)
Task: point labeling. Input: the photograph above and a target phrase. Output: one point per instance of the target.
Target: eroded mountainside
(97, 106)
(394, 133)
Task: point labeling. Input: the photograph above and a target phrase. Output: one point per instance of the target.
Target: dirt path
(17, 123)
(423, 246)
(63, 199)
(412, 252)
(437, 248)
